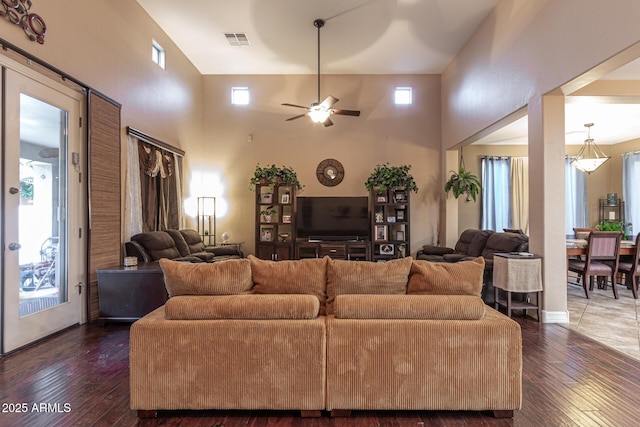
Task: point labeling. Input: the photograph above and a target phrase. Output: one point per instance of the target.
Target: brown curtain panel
(160, 204)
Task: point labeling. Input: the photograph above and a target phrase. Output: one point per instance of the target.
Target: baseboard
(555, 316)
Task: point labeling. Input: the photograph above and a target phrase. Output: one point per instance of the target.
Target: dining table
(576, 247)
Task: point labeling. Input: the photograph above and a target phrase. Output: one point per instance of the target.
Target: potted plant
(463, 182)
(273, 175)
(384, 177)
(614, 226)
(267, 213)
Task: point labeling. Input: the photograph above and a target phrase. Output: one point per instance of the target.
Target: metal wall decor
(17, 12)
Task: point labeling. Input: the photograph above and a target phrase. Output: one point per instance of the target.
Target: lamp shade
(590, 157)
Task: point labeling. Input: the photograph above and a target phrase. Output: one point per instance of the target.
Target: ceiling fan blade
(346, 112)
(328, 102)
(294, 105)
(327, 122)
(295, 117)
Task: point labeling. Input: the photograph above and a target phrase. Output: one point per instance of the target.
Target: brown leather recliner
(178, 245)
(471, 243)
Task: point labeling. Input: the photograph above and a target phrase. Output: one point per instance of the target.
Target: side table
(521, 274)
(126, 294)
(237, 245)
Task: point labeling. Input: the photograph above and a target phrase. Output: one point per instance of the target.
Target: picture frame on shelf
(400, 196)
(285, 199)
(400, 215)
(379, 216)
(286, 219)
(381, 198)
(391, 219)
(387, 249)
(400, 235)
(380, 233)
(266, 234)
(266, 198)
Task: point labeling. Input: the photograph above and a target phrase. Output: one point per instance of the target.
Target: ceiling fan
(319, 112)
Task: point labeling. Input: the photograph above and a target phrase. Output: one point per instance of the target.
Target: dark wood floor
(80, 378)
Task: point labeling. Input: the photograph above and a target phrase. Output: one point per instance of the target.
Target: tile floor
(615, 323)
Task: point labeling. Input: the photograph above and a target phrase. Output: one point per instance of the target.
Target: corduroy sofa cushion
(307, 276)
(424, 307)
(366, 277)
(254, 307)
(461, 278)
(218, 278)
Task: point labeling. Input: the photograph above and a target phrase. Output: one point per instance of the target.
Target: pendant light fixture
(590, 157)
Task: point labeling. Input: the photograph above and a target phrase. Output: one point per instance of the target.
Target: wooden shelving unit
(390, 223)
(275, 236)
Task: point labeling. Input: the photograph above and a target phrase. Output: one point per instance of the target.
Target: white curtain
(496, 193)
(520, 193)
(630, 195)
(575, 197)
(133, 200)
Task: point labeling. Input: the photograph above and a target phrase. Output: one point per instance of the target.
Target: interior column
(547, 201)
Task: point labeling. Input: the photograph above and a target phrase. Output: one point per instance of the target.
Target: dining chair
(581, 233)
(631, 269)
(601, 261)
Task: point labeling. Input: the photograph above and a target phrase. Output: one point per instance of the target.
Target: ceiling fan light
(319, 115)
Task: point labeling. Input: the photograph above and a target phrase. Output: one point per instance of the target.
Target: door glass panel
(42, 210)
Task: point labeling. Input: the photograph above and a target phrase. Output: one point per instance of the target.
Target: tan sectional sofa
(322, 334)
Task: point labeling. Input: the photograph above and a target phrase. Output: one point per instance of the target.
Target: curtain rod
(154, 141)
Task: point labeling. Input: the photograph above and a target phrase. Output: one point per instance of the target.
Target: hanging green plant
(273, 175)
(384, 177)
(463, 182)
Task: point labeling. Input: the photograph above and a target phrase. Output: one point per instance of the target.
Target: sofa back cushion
(158, 244)
(366, 277)
(248, 307)
(505, 242)
(306, 276)
(193, 240)
(181, 244)
(219, 278)
(423, 307)
(472, 241)
(460, 278)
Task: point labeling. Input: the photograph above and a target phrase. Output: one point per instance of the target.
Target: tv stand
(336, 249)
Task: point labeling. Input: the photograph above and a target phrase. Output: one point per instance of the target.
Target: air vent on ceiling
(237, 39)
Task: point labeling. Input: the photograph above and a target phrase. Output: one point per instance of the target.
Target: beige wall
(225, 159)
(106, 44)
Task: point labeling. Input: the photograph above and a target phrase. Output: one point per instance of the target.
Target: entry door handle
(14, 246)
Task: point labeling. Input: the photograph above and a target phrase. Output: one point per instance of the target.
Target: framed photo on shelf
(400, 215)
(381, 198)
(266, 234)
(380, 233)
(387, 249)
(266, 198)
(400, 196)
(391, 219)
(285, 199)
(400, 235)
(379, 216)
(286, 219)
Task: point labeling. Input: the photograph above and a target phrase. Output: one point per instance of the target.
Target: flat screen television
(332, 218)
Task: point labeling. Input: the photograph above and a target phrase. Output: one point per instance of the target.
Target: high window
(240, 95)
(157, 54)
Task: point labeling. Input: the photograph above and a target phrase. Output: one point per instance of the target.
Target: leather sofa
(473, 243)
(322, 334)
(179, 245)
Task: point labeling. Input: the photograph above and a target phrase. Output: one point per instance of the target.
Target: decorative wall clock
(330, 172)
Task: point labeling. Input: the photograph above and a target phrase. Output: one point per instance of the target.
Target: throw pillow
(442, 278)
(305, 276)
(217, 278)
(366, 277)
